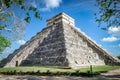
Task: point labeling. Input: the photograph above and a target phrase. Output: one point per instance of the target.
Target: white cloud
(51, 4)
(21, 42)
(115, 34)
(114, 31)
(110, 39)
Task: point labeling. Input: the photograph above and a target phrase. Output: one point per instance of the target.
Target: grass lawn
(35, 69)
(58, 69)
(100, 68)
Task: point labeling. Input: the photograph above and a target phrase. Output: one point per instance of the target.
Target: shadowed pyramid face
(60, 44)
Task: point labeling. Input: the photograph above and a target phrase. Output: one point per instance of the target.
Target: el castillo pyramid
(60, 44)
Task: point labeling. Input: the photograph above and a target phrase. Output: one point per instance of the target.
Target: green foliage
(38, 72)
(27, 19)
(32, 8)
(48, 72)
(20, 4)
(77, 72)
(7, 3)
(1, 27)
(88, 72)
(109, 13)
(4, 42)
(118, 57)
(37, 15)
(57, 71)
(13, 24)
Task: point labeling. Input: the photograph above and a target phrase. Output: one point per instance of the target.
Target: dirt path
(113, 72)
(112, 75)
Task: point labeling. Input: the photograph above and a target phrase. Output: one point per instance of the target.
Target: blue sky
(83, 13)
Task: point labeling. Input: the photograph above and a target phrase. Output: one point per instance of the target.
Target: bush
(14, 72)
(118, 57)
(89, 73)
(103, 71)
(96, 73)
(66, 73)
(38, 72)
(58, 73)
(77, 72)
(48, 72)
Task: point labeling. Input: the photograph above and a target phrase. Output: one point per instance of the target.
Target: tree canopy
(118, 57)
(109, 13)
(14, 15)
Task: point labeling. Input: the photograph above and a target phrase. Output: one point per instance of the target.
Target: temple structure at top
(61, 17)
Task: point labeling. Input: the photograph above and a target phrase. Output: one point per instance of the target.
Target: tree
(118, 57)
(4, 42)
(109, 13)
(12, 23)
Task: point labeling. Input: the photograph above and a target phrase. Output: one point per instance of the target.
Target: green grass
(58, 70)
(35, 69)
(100, 68)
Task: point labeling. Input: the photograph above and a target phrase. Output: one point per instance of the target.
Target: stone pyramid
(60, 44)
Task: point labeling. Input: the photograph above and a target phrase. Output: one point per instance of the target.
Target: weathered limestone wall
(78, 52)
(51, 52)
(42, 49)
(81, 51)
